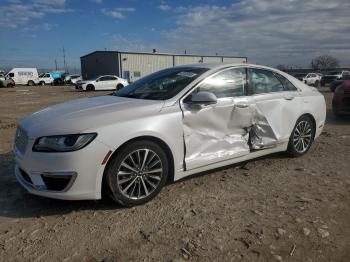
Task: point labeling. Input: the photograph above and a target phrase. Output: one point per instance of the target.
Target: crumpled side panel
(216, 133)
(224, 131)
(261, 133)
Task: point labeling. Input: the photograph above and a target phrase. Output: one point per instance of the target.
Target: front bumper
(79, 87)
(70, 175)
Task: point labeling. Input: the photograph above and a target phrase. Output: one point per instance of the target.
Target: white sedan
(164, 127)
(106, 82)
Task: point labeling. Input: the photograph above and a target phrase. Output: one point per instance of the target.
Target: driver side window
(263, 81)
(228, 83)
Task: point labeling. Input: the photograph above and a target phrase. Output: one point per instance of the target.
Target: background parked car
(106, 82)
(341, 99)
(313, 79)
(7, 82)
(72, 79)
(24, 76)
(46, 79)
(337, 83)
(333, 76)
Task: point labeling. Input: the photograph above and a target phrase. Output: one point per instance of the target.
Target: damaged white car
(165, 126)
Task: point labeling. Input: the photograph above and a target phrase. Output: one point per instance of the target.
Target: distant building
(132, 65)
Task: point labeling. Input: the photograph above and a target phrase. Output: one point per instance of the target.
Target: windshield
(161, 85)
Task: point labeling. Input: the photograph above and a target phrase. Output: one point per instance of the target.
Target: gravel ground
(271, 209)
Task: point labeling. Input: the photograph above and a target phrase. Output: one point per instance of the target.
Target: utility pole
(56, 64)
(64, 60)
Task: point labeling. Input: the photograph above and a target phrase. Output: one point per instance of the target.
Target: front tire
(137, 173)
(119, 86)
(31, 83)
(302, 137)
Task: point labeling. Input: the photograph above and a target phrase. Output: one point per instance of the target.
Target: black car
(333, 85)
(328, 79)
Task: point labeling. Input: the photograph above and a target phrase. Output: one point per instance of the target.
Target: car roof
(106, 75)
(224, 65)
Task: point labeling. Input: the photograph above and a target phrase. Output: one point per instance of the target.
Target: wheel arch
(90, 85)
(312, 119)
(154, 139)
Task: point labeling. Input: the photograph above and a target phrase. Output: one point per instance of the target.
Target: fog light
(58, 181)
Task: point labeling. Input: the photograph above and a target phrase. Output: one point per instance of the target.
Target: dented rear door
(275, 108)
(218, 132)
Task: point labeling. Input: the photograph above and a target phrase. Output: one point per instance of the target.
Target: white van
(24, 76)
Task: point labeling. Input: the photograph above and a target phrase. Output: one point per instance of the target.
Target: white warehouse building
(132, 65)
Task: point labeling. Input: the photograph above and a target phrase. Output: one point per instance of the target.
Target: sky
(268, 32)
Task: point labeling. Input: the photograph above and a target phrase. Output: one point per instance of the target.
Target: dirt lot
(272, 209)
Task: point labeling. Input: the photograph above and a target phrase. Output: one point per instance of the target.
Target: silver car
(165, 126)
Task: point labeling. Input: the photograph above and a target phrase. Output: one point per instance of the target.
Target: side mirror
(203, 98)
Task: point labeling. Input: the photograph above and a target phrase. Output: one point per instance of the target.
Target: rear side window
(288, 86)
(263, 81)
(228, 83)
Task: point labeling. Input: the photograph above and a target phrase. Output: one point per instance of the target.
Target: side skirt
(280, 148)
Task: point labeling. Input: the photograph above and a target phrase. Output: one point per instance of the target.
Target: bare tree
(324, 62)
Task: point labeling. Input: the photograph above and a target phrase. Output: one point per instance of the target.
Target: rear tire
(302, 137)
(137, 173)
(90, 88)
(317, 84)
(31, 83)
(9, 85)
(42, 83)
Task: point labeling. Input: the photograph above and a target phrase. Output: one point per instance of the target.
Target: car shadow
(332, 119)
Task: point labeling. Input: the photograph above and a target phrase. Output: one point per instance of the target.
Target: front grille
(21, 140)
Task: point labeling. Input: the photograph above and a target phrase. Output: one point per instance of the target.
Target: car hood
(91, 113)
(85, 81)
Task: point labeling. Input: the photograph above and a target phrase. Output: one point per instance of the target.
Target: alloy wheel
(139, 174)
(302, 136)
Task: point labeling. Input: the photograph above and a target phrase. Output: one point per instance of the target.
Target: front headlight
(64, 143)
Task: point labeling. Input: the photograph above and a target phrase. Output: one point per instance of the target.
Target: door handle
(289, 98)
(242, 105)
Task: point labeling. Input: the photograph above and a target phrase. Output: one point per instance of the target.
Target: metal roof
(165, 54)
